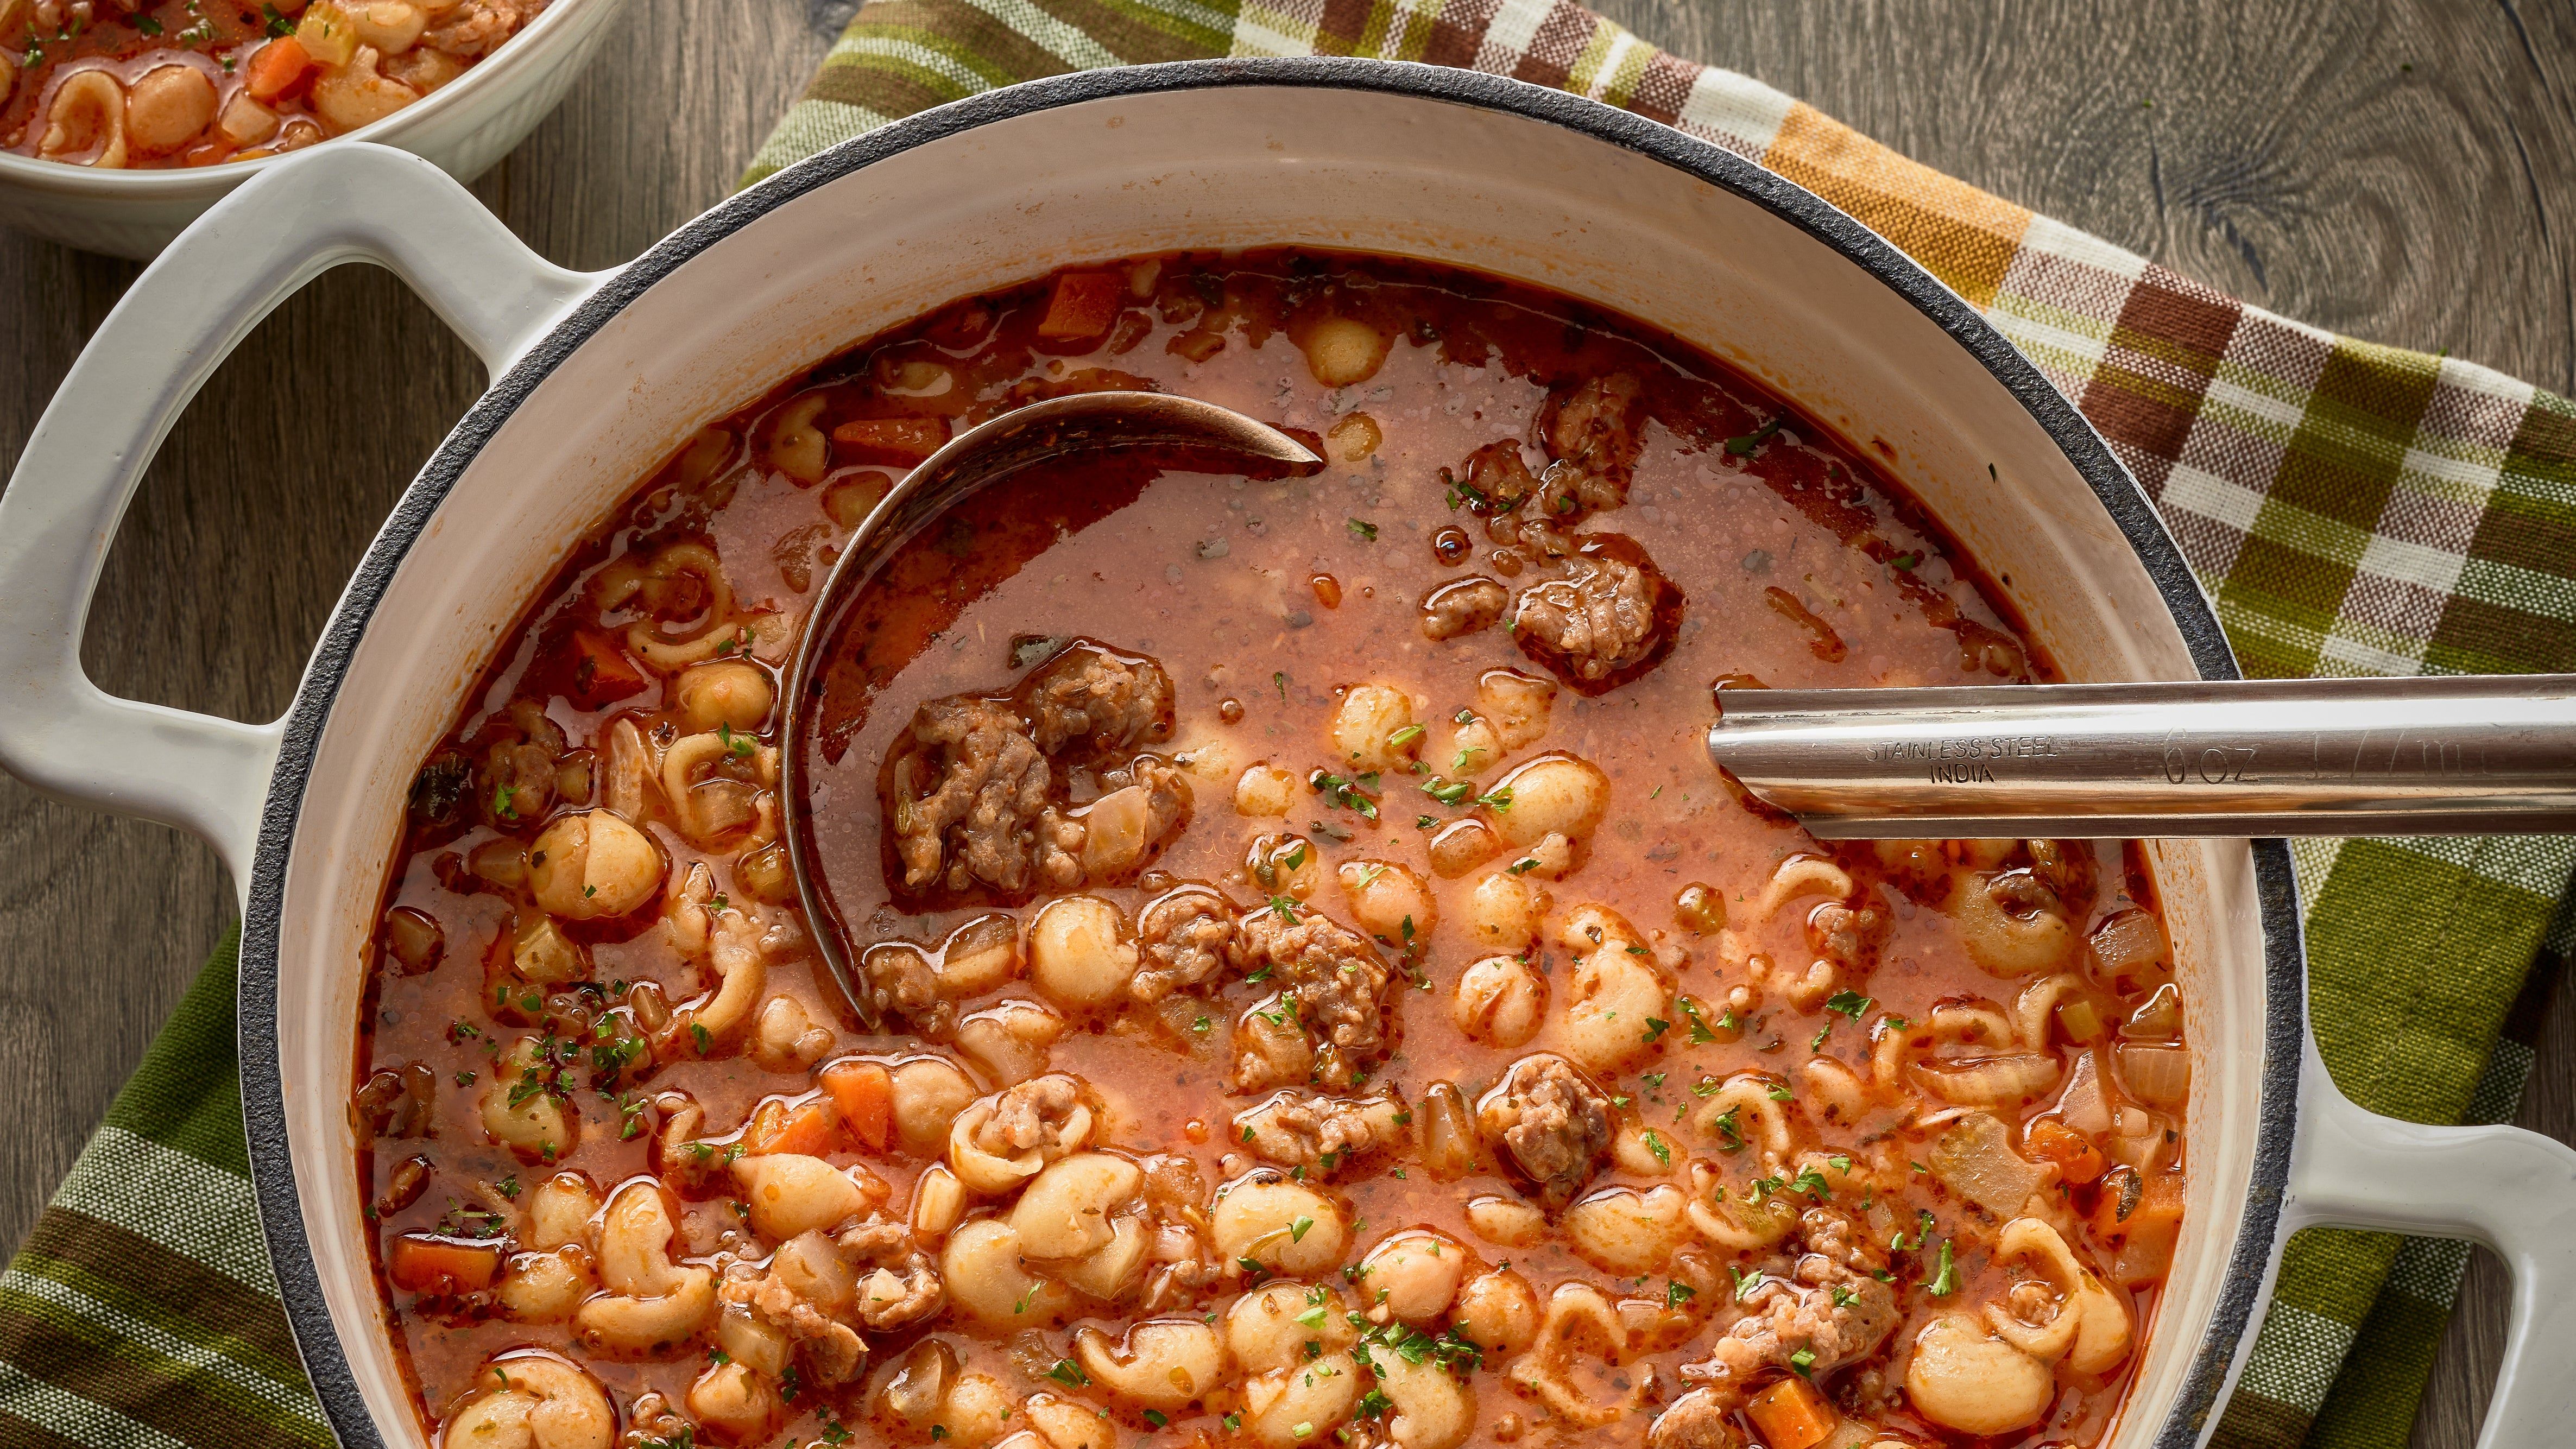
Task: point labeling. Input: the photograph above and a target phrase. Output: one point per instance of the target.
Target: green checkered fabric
(2354, 509)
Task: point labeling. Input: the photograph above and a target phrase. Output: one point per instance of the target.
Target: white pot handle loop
(343, 202)
(2514, 1191)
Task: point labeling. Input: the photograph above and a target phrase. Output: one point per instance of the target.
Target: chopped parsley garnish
(1945, 1280)
(1849, 1003)
(1802, 1361)
(1745, 1282)
(1157, 1418)
(1298, 1230)
(1362, 529)
(1496, 800)
(1750, 443)
(1655, 1145)
(1447, 792)
(1656, 1026)
(1069, 1374)
(1405, 736)
(1677, 1294)
(1285, 907)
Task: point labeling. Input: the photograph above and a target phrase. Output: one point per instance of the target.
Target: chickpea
(733, 694)
(1286, 865)
(1515, 706)
(1284, 1226)
(169, 107)
(928, 1094)
(1499, 1311)
(1355, 437)
(1341, 351)
(593, 865)
(785, 1039)
(1413, 1275)
(1390, 902)
(1461, 846)
(1700, 909)
(1506, 1222)
(1504, 911)
(1374, 729)
(1554, 794)
(1079, 956)
(1265, 792)
(1500, 1000)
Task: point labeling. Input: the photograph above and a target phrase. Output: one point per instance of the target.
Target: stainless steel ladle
(981, 455)
(2455, 755)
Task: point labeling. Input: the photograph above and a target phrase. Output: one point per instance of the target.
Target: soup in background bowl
(1326, 994)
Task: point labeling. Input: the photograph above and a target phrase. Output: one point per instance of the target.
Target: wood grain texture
(2403, 171)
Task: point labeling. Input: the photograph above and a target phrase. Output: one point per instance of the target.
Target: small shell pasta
(1285, 1226)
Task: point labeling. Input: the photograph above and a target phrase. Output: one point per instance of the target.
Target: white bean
(593, 864)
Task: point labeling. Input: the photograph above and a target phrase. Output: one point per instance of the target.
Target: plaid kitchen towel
(2354, 509)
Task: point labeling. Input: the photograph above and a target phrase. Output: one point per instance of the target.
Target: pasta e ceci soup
(132, 84)
(1324, 994)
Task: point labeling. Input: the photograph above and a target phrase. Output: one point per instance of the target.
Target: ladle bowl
(1185, 428)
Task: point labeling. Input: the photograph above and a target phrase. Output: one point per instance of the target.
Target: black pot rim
(263, 1092)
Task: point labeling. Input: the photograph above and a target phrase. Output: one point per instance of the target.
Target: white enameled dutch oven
(596, 378)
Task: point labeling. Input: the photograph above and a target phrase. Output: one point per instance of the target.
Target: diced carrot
(1791, 1414)
(2078, 1160)
(1084, 305)
(2139, 1218)
(420, 1263)
(897, 442)
(600, 673)
(276, 68)
(806, 1129)
(864, 1092)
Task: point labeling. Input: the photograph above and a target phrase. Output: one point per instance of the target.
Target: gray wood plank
(2404, 171)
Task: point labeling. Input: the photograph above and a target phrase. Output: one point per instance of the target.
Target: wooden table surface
(2404, 172)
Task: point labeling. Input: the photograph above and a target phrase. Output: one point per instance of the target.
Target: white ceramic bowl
(597, 378)
(462, 128)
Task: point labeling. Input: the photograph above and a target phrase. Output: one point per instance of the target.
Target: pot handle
(348, 201)
(2513, 1190)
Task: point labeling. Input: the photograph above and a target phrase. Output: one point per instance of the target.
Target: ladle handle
(2453, 755)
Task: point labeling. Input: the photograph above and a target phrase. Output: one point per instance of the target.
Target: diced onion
(2159, 1076)
(1976, 1159)
(1988, 1081)
(2082, 1105)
